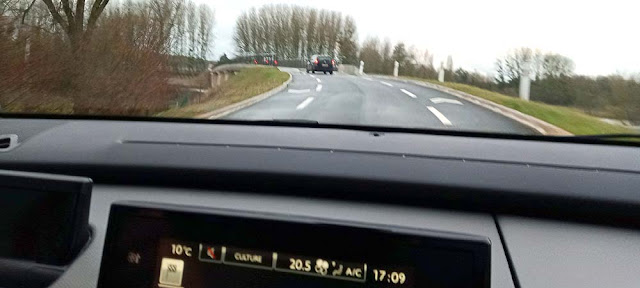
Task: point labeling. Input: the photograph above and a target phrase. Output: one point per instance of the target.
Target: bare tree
(255, 30)
(427, 59)
(281, 31)
(164, 19)
(179, 30)
(511, 67)
(72, 20)
(242, 35)
(556, 65)
(297, 29)
(311, 31)
(335, 26)
(264, 29)
(11, 9)
(502, 75)
(293, 31)
(192, 27)
(321, 33)
(385, 51)
(400, 53)
(370, 54)
(515, 62)
(205, 29)
(348, 42)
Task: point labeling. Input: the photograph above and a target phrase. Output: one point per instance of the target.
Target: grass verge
(569, 119)
(35, 103)
(248, 83)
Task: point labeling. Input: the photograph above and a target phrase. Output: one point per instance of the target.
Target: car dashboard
(194, 204)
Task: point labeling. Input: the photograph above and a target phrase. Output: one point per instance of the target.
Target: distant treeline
(295, 32)
(379, 58)
(555, 82)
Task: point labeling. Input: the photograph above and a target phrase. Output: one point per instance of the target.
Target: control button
(171, 272)
(210, 253)
(250, 258)
(134, 258)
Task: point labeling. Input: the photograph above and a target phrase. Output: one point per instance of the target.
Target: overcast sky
(602, 37)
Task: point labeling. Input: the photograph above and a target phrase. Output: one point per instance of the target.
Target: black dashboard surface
(531, 178)
(451, 183)
(68, 136)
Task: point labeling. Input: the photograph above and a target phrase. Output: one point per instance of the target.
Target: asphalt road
(357, 100)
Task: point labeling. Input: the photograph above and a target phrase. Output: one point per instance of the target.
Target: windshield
(513, 67)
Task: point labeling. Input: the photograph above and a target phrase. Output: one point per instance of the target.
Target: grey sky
(600, 36)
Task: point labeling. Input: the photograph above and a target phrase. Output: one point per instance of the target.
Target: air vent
(8, 142)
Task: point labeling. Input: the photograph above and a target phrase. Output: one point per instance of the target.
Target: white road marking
(440, 116)
(304, 103)
(312, 76)
(319, 81)
(445, 100)
(319, 88)
(408, 93)
(367, 78)
(299, 91)
(385, 83)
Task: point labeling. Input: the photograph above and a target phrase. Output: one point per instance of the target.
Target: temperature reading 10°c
(392, 277)
(178, 249)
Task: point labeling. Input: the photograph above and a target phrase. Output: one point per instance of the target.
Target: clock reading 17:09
(392, 277)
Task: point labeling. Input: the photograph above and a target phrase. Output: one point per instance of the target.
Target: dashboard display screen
(173, 247)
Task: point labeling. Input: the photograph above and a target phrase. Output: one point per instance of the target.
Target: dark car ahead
(321, 63)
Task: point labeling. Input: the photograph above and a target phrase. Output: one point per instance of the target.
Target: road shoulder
(224, 111)
(536, 124)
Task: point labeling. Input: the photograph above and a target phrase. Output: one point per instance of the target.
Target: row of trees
(379, 57)
(540, 66)
(554, 81)
(105, 59)
(295, 32)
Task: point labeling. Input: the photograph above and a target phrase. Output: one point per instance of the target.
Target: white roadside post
(525, 81)
(361, 67)
(441, 73)
(395, 68)
(211, 83)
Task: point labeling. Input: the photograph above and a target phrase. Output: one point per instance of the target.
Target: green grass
(569, 119)
(248, 83)
(36, 103)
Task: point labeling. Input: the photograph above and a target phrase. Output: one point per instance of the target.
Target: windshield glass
(515, 67)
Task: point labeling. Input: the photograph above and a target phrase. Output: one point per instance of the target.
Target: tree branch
(26, 11)
(54, 13)
(96, 10)
(67, 11)
(79, 15)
